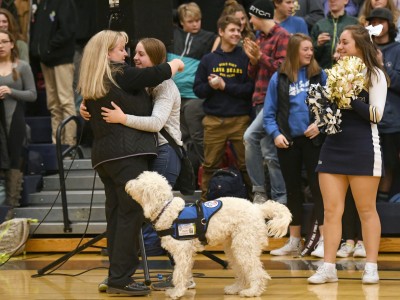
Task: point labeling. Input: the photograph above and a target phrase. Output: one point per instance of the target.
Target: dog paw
(250, 293)
(233, 289)
(175, 293)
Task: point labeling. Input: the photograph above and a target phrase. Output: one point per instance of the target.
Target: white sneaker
(345, 250)
(323, 275)
(319, 249)
(370, 276)
(288, 249)
(359, 250)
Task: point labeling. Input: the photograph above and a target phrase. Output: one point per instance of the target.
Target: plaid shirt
(273, 50)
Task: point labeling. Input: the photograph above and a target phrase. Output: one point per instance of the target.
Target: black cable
(83, 235)
(52, 206)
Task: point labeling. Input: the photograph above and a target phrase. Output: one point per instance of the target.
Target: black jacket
(54, 30)
(116, 141)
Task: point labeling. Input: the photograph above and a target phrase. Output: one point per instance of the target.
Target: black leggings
(301, 153)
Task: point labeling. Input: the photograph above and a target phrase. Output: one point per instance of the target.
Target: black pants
(301, 153)
(124, 217)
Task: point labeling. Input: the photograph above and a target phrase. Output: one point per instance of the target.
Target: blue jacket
(235, 99)
(390, 122)
(299, 115)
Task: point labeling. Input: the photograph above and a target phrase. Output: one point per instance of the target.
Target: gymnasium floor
(78, 278)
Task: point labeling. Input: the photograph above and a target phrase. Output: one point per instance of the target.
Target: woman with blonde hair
(120, 153)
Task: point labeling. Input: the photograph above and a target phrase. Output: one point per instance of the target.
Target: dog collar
(162, 211)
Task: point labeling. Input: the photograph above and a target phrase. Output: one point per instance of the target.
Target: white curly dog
(239, 226)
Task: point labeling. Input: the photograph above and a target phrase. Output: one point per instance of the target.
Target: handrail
(60, 156)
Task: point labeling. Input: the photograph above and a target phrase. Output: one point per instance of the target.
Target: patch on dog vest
(192, 221)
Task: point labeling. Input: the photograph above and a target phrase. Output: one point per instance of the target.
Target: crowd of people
(244, 80)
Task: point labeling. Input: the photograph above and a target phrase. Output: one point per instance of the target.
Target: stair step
(76, 180)
(84, 197)
(73, 197)
(55, 214)
(56, 228)
(80, 197)
(77, 164)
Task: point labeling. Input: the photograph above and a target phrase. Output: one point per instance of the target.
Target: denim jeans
(167, 163)
(260, 148)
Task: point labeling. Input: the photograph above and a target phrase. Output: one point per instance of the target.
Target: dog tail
(279, 218)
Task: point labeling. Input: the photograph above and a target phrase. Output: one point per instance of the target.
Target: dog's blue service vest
(192, 221)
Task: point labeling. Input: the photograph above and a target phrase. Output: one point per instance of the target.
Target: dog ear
(129, 186)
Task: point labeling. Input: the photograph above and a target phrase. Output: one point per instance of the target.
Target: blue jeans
(260, 148)
(167, 163)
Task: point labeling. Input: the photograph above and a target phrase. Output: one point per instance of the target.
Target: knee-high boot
(14, 179)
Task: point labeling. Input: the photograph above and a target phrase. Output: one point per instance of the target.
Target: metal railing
(76, 150)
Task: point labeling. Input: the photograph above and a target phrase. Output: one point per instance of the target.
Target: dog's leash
(161, 212)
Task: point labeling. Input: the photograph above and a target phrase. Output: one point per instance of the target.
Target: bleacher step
(55, 214)
(73, 197)
(78, 228)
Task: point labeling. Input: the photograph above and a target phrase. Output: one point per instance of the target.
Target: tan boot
(14, 178)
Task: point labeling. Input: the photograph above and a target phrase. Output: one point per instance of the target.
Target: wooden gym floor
(78, 278)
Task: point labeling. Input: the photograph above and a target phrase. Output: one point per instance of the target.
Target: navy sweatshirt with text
(235, 99)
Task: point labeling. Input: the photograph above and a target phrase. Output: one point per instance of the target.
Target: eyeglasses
(3, 42)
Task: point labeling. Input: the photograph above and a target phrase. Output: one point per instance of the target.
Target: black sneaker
(133, 289)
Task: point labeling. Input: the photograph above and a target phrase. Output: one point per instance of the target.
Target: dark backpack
(226, 182)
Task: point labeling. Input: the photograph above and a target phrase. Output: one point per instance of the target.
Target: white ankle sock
(371, 266)
(294, 240)
(330, 266)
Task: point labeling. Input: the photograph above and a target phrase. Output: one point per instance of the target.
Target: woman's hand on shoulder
(84, 112)
(115, 115)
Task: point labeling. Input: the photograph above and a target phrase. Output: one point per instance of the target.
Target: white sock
(294, 240)
(330, 266)
(371, 266)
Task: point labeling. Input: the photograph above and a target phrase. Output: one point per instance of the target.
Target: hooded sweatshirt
(235, 99)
